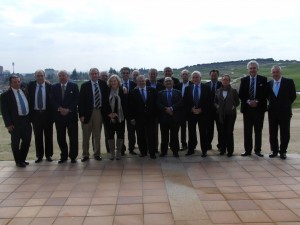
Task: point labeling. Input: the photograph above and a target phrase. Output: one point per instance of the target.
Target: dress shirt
(18, 102)
(43, 94)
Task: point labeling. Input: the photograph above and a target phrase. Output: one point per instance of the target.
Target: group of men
(152, 103)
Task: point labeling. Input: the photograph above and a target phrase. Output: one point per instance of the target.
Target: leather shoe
(26, 163)
(229, 155)
(143, 155)
(184, 147)
(38, 160)
(273, 155)
(203, 155)
(162, 155)
(73, 161)
(98, 158)
(21, 164)
(153, 156)
(84, 159)
(132, 153)
(259, 154)
(49, 159)
(245, 154)
(62, 161)
(175, 155)
(190, 153)
(283, 155)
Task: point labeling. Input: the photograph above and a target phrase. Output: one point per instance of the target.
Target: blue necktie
(22, 103)
(196, 95)
(40, 98)
(169, 98)
(143, 95)
(276, 88)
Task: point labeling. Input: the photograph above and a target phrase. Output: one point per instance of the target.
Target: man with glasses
(129, 85)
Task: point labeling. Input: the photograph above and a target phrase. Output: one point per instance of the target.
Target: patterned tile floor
(134, 191)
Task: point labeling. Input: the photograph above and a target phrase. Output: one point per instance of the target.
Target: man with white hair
(197, 101)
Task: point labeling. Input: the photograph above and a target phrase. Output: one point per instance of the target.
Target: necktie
(213, 89)
(126, 85)
(63, 89)
(143, 95)
(169, 98)
(97, 96)
(196, 95)
(40, 98)
(22, 103)
(251, 91)
(276, 88)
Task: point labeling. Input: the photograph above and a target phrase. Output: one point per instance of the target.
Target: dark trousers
(20, 138)
(169, 128)
(61, 128)
(106, 134)
(155, 144)
(131, 129)
(118, 128)
(226, 134)
(183, 132)
(253, 119)
(282, 121)
(213, 119)
(43, 130)
(201, 120)
(145, 136)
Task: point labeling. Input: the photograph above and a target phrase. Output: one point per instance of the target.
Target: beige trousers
(94, 127)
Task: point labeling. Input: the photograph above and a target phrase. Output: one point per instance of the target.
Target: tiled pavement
(134, 191)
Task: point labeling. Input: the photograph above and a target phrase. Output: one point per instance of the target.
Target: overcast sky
(81, 34)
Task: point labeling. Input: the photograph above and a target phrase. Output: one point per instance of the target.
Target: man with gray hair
(253, 95)
(197, 101)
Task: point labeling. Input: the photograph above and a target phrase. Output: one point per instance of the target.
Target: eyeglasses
(125, 73)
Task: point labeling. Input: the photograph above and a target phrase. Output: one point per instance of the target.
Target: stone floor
(188, 190)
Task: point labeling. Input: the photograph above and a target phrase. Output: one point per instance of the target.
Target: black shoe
(229, 155)
(259, 154)
(132, 152)
(156, 151)
(209, 147)
(190, 153)
(184, 147)
(122, 153)
(246, 154)
(118, 158)
(204, 155)
(73, 161)
(84, 159)
(143, 155)
(49, 159)
(26, 163)
(38, 160)
(98, 158)
(273, 154)
(62, 161)
(21, 164)
(283, 155)
(112, 158)
(162, 155)
(175, 155)
(153, 156)
(222, 153)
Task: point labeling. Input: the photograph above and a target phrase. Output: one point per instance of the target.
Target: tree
(74, 75)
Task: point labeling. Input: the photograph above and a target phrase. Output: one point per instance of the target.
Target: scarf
(113, 97)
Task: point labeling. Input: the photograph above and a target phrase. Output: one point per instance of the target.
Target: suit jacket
(179, 86)
(70, 101)
(204, 101)
(86, 99)
(175, 81)
(285, 98)
(261, 93)
(177, 105)
(107, 109)
(139, 110)
(209, 84)
(9, 108)
(132, 85)
(159, 86)
(31, 93)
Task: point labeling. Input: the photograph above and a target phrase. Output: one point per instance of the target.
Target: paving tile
(101, 210)
(270, 204)
(261, 195)
(253, 216)
(225, 217)
(68, 221)
(78, 201)
(203, 183)
(158, 219)
(30, 211)
(36, 202)
(9, 212)
(73, 211)
(284, 194)
(20, 221)
(14, 180)
(132, 209)
(104, 201)
(282, 215)
(129, 219)
(193, 222)
(155, 198)
(216, 205)
(291, 203)
(103, 220)
(14, 202)
(157, 208)
(42, 221)
(134, 192)
(236, 196)
(129, 200)
(242, 205)
(56, 201)
(254, 188)
(49, 211)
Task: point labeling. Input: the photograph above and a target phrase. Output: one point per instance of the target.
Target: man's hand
(132, 122)
(253, 103)
(10, 128)
(81, 119)
(169, 111)
(196, 111)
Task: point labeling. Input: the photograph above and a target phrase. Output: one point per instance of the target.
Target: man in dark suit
(41, 116)
(15, 110)
(185, 76)
(142, 113)
(213, 117)
(253, 95)
(152, 82)
(168, 72)
(92, 95)
(64, 100)
(169, 103)
(197, 100)
(281, 95)
(129, 85)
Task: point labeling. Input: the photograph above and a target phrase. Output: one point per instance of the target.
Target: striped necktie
(97, 96)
